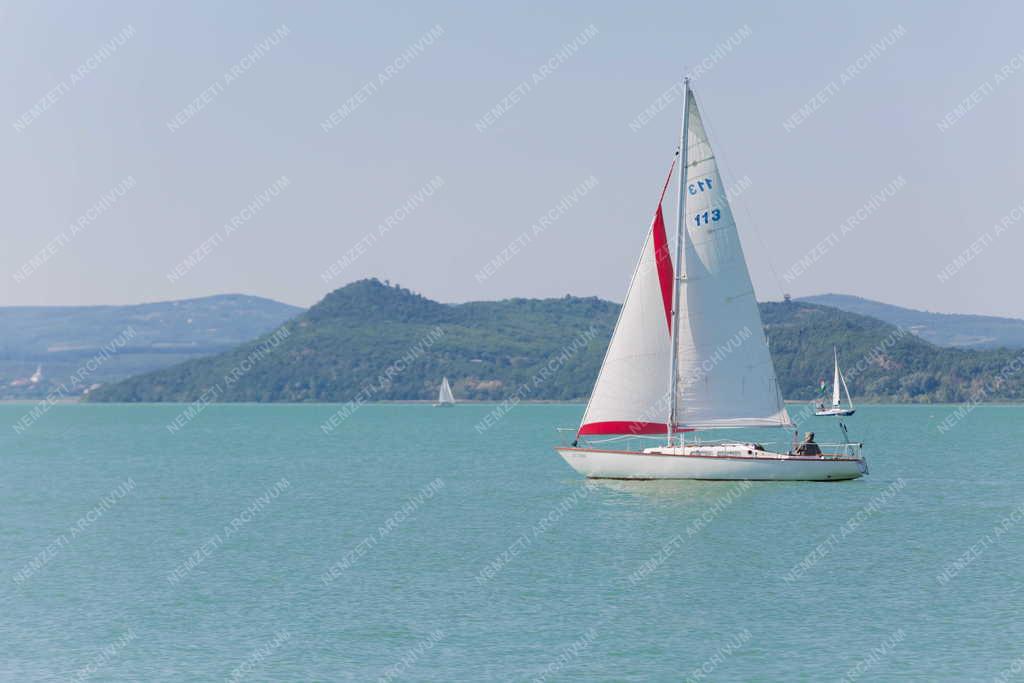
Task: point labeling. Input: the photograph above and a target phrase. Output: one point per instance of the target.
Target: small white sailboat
(445, 397)
(698, 322)
(837, 405)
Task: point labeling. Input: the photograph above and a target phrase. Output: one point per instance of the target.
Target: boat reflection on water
(675, 492)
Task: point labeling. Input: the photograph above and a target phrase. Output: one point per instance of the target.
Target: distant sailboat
(692, 323)
(444, 395)
(837, 406)
(25, 381)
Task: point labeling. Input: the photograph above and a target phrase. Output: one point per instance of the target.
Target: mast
(835, 380)
(680, 276)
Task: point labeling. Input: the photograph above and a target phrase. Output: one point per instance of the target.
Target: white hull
(834, 411)
(696, 462)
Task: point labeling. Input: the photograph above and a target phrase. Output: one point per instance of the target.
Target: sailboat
(444, 395)
(693, 320)
(837, 406)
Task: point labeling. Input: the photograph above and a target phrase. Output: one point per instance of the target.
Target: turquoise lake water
(405, 545)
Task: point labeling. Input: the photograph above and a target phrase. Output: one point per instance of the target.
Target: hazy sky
(193, 110)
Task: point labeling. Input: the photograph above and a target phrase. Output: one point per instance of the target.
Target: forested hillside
(943, 329)
(371, 341)
(62, 340)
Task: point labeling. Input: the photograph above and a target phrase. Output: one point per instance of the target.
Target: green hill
(341, 346)
(370, 341)
(62, 339)
(942, 329)
(882, 362)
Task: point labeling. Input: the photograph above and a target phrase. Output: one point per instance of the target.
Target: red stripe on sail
(626, 427)
(664, 261)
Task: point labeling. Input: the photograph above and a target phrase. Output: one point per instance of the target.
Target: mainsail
(630, 395)
(835, 384)
(445, 394)
(725, 376)
(724, 373)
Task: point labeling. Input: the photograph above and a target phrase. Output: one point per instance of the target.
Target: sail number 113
(707, 217)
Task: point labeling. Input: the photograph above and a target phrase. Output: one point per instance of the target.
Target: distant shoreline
(580, 402)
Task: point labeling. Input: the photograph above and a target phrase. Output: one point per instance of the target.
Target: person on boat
(808, 447)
